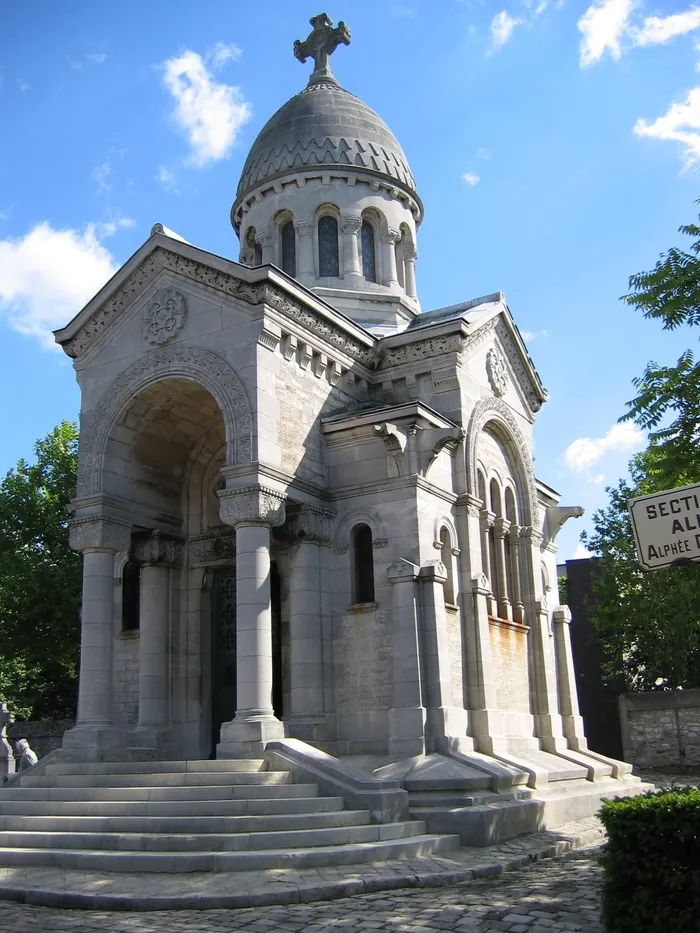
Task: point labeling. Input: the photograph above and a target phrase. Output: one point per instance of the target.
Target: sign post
(666, 527)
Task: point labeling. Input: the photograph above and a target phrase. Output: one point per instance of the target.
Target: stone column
(518, 605)
(407, 713)
(501, 529)
(486, 520)
(313, 532)
(7, 758)
(305, 250)
(267, 245)
(443, 717)
(389, 241)
(410, 254)
(252, 511)
(99, 539)
(157, 554)
(352, 265)
(566, 680)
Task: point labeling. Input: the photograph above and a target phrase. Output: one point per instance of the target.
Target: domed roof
(324, 125)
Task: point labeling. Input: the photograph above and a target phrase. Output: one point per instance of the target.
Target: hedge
(651, 864)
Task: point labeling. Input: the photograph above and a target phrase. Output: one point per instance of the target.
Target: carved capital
(391, 236)
(351, 225)
(264, 239)
(487, 519)
(99, 534)
(304, 227)
(251, 505)
(402, 570)
(158, 548)
(481, 585)
(312, 524)
(501, 527)
(410, 253)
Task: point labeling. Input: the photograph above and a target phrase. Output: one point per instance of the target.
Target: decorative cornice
(519, 366)
(164, 260)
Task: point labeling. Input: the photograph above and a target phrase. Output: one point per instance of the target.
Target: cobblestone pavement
(551, 896)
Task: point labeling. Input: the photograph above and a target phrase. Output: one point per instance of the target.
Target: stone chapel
(306, 506)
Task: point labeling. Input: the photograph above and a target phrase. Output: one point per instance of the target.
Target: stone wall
(43, 735)
(510, 666)
(661, 729)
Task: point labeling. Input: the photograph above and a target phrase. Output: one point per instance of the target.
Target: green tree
(648, 623)
(40, 581)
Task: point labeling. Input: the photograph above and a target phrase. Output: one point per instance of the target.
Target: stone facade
(661, 730)
(306, 509)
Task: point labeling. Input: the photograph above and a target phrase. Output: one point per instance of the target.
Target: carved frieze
(313, 524)
(252, 504)
(207, 549)
(158, 548)
(519, 366)
(164, 315)
(98, 533)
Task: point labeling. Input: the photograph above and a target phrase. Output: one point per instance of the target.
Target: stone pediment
(165, 310)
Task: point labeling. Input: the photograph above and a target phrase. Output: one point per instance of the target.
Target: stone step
(244, 823)
(204, 792)
(170, 862)
(156, 767)
(158, 779)
(211, 842)
(233, 806)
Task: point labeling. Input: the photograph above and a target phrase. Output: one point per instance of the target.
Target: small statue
(7, 759)
(29, 756)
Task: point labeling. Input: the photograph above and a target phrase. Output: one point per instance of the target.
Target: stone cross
(320, 44)
(7, 758)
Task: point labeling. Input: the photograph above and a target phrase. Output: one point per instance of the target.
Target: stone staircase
(187, 816)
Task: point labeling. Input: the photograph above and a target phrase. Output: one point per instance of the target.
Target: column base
(156, 737)
(407, 732)
(248, 738)
(95, 743)
(310, 728)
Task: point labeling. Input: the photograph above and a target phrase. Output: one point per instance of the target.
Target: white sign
(667, 527)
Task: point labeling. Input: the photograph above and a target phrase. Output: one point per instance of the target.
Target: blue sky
(555, 146)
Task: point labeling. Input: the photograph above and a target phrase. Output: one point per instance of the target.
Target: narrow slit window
(369, 260)
(289, 248)
(364, 564)
(328, 261)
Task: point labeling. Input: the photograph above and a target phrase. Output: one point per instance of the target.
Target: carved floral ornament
(497, 371)
(158, 548)
(205, 549)
(312, 524)
(164, 315)
(252, 505)
(99, 534)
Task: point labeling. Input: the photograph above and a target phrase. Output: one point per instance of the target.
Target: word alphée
(672, 507)
(678, 547)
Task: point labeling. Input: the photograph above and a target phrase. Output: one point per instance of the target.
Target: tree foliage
(40, 581)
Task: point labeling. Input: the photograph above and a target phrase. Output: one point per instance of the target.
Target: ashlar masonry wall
(661, 729)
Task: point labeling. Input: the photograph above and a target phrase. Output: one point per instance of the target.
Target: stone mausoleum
(306, 506)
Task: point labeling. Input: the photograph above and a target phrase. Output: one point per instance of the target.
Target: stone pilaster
(352, 267)
(313, 528)
(444, 718)
(501, 529)
(305, 250)
(157, 554)
(389, 241)
(266, 243)
(566, 680)
(407, 715)
(99, 539)
(252, 511)
(410, 255)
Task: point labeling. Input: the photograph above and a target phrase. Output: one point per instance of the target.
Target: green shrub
(651, 863)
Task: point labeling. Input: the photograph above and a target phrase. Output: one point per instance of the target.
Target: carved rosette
(164, 315)
(99, 534)
(158, 548)
(312, 524)
(497, 371)
(252, 505)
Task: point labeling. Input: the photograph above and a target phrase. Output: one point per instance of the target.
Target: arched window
(288, 248)
(251, 253)
(446, 558)
(328, 261)
(131, 596)
(363, 559)
(369, 256)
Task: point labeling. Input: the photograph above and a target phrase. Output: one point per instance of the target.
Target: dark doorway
(223, 662)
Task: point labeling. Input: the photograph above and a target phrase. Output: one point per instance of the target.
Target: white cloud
(680, 123)
(470, 179)
(100, 174)
(210, 113)
(48, 275)
(656, 30)
(224, 52)
(96, 58)
(602, 27)
(530, 335)
(483, 154)
(23, 85)
(582, 552)
(598, 479)
(582, 453)
(502, 26)
(166, 179)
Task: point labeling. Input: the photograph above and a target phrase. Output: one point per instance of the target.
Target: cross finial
(320, 44)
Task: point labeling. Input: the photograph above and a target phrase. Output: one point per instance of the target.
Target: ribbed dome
(324, 125)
